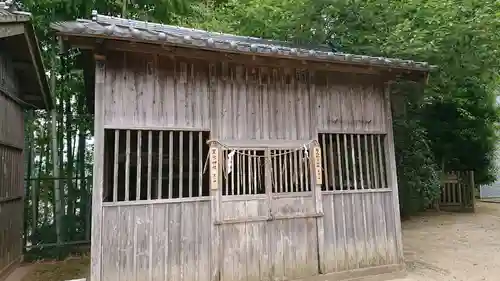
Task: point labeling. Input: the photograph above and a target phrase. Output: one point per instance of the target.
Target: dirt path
(450, 247)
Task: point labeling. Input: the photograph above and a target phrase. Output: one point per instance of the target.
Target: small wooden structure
(22, 86)
(457, 192)
(219, 157)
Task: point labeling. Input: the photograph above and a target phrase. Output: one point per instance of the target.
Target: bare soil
(454, 246)
(439, 246)
(72, 268)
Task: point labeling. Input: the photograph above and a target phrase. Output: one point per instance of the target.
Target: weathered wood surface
(11, 123)
(157, 242)
(96, 246)
(237, 102)
(359, 231)
(457, 191)
(269, 225)
(11, 168)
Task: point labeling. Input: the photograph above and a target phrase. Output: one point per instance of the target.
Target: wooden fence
(457, 192)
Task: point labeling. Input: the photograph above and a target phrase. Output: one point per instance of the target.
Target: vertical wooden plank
(190, 163)
(296, 171)
(392, 179)
(206, 223)
(286, 185)
(353, 157)
(325, 161)
(115, 166)
(301, 170)
(150, 158)
(255, 171)
(382, 167)
(290, 170)
(339, 161)
(200, 164)
(307, 171)
(187, 254)
(181, 164)
(248, 158)
(360, 163)
(127, 166)
(98, 172)
(236, 170)
(159, 242)
(174, 264)
(170, 164)
(272, 174)
(376, 179)
(139, 165)
(367, 163)
(346, 158)
(160, 165)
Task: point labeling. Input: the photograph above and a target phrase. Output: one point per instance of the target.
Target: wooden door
(293, 227)
(267, 220)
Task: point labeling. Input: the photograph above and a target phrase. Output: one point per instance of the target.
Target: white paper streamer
(229, 161)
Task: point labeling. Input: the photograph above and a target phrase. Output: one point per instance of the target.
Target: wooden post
(392, 179)
(473, 191)
(317, 182)
(215, 155)
(96, 247)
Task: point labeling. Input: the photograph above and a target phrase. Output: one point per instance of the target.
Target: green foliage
(455, 122)
(418, 173)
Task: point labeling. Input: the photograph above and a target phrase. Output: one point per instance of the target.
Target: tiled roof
(133, 30)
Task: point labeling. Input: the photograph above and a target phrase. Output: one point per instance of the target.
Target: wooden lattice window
(245, 171)
(291, 171)
(353, 161)
(155, 164)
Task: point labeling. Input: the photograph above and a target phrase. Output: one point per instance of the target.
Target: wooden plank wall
(359, 230)
(157, 241)
(11, 170)
(236, 102)
(167, 240)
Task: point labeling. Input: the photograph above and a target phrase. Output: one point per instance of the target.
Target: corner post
(98, 174)
(392, 179)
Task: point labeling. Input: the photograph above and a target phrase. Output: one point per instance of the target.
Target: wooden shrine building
(23, 85)
(220, 157)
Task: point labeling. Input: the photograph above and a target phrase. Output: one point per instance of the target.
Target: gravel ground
(448, 246)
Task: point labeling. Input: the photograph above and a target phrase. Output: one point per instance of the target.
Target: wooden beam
(33, 49)
(11, 29)
(90, 43)
(392, 178)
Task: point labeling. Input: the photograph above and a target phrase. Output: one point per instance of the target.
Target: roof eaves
(8, 14)
(125, 29)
